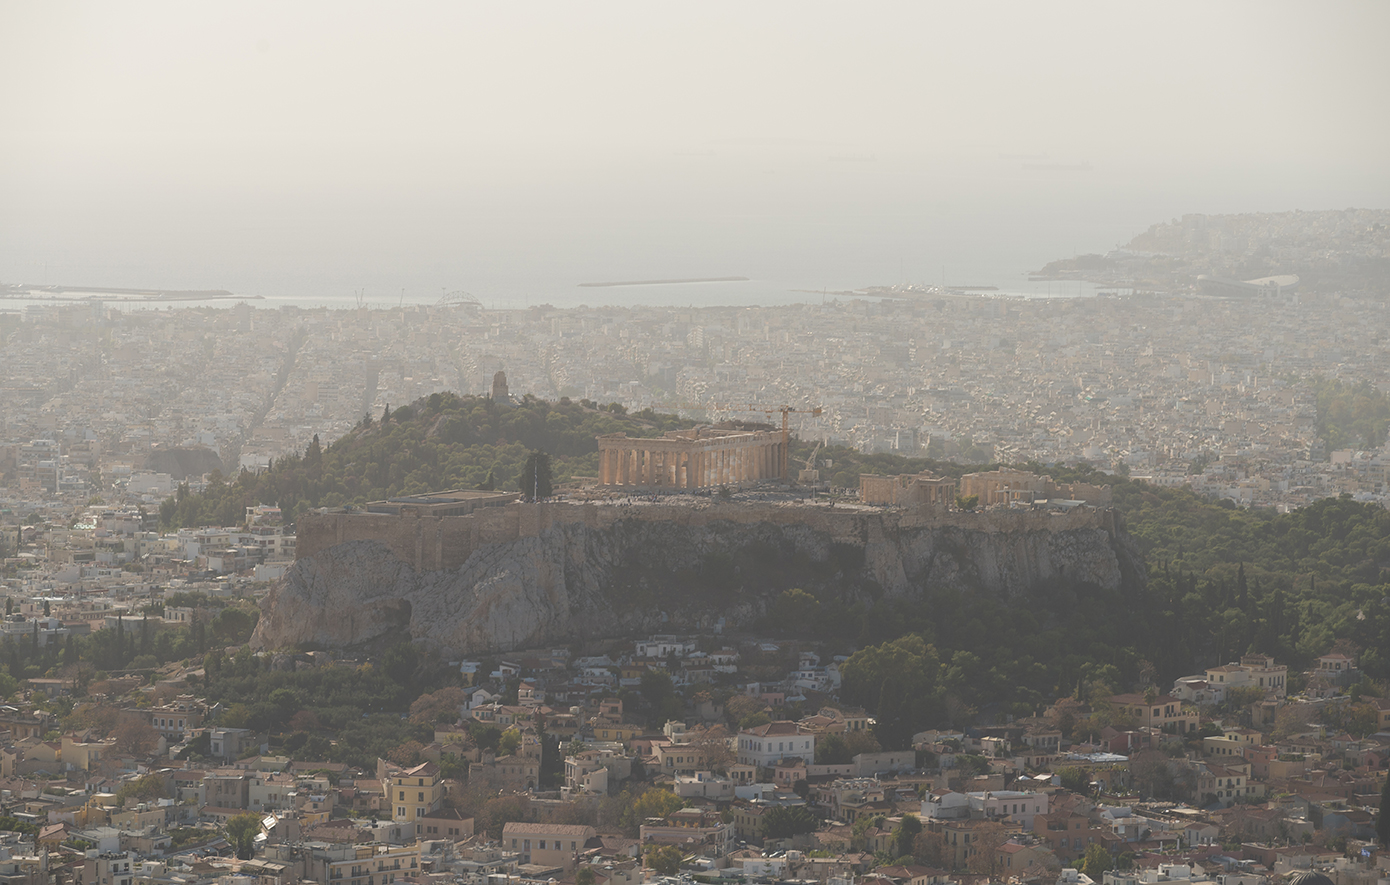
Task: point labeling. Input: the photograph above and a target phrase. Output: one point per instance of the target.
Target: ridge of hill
(442, 441)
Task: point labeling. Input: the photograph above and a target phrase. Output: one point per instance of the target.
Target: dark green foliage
(905, 834)
(665, 860)
(241, 833)
(359, 708)
(831, 749)
(15, 825)
(783, 822)
(1351, 416)
(536, 481)
(1383, 815)
(660, 698)
(1220, 580)
(440, 442)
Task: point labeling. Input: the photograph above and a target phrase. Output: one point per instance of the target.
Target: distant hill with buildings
(1338, 251)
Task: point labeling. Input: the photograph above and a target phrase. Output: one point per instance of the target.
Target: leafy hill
(439, 442)
(1222, 581)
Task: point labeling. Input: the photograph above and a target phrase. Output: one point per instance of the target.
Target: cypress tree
(1383, 816)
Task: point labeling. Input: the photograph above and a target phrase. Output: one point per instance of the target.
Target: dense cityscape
(148, 744)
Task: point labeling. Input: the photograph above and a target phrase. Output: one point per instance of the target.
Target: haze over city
(317, 150)
(647, 444)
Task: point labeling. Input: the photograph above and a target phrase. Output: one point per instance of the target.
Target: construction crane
(810, 474)
(813, 411)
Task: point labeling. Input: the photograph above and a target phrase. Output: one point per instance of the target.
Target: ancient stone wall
(437, 543)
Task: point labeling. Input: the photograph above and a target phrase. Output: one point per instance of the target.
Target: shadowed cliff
(582, 573)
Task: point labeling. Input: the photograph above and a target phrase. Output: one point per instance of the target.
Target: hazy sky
(322, 146)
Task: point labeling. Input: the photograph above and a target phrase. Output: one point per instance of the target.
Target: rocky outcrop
(577, 579)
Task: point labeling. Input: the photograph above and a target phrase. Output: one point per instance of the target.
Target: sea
(799, 227)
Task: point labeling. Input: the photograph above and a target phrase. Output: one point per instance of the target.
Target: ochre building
(690, 459)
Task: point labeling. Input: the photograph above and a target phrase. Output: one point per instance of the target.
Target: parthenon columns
(689, 459)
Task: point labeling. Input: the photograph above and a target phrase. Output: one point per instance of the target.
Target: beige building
(368, 864)
(551, 845)
(690, 459)
(1164, 711)
(906, 490)
(1006, 486)
(412, 792)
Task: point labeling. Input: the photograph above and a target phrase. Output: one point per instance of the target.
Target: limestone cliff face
(575, 579)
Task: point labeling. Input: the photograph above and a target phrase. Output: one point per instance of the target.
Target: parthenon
(690, 459)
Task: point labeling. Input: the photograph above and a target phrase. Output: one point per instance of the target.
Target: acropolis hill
(521, 574)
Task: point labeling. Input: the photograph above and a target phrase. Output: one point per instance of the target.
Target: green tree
(654, 802)
(898, 681)
(1096, 861)
(584, 875)
(536, 481)
(1074, 778)
(831, 749)
(509, 742)
(783, 822)
(142, 789)
(665, 860)
(241, 831)
(905, 836)
(1383, 815)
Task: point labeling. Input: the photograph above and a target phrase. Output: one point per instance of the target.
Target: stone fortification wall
(527, 575)
(441, 543)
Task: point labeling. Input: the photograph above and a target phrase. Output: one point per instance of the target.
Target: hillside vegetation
(440, 442)
(1221, 581)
